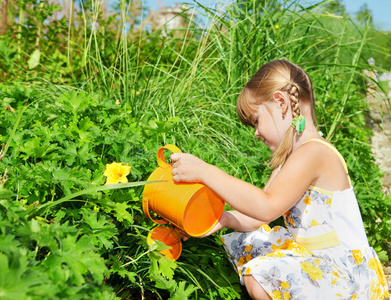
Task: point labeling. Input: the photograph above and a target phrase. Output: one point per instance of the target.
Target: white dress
(322, 254)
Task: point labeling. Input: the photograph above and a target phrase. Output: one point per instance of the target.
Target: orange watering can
(191, 208)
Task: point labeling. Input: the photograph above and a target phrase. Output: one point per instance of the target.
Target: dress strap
(336, 152)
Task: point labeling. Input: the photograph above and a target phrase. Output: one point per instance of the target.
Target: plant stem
(91, 190)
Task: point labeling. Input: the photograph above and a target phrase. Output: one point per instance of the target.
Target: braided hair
(293, 93)
(277, 75)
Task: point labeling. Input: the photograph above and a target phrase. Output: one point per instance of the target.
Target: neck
(309, 132)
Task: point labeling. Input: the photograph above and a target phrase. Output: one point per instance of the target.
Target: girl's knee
(254, 289)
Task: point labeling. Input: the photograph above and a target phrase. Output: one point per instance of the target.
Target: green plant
(55, 170)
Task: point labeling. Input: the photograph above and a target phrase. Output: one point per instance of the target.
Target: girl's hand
(220, 224)
(187, 168)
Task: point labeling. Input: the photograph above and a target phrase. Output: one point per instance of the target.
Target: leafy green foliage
(45, 260)
(64, 151)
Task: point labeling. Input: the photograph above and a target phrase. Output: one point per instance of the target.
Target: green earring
(298, 124)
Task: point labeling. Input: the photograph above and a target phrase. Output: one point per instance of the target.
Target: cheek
(282, 127)
(274, 128)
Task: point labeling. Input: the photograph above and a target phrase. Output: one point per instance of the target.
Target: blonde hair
(277, 75)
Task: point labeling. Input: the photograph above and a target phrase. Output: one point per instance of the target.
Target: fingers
(186, 158)
(175, 157)
(216, 228)
(186, 167)
(175, 178)
(175, 171)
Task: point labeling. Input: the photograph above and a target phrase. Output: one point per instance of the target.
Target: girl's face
(269, 124)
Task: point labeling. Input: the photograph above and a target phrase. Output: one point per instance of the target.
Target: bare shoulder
(304, 164)
(312, 152)
(298, 173)
(312, 159)
(324, 163)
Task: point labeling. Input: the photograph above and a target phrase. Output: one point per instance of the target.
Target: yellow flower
(116, 173)
(374, 264)
(375, 291)
(241, 261)
(277, 26)
(276, 294)
(266, 227)
(248, 248)
(334, 281)
(286, 296)
(299, 250)
(248, 271)
(357, 256)
(307, 200)
(284, 246)
(276, 253)
(314, 222)
(328, 201)
(248, 257)
(285, 285)
(314, 272)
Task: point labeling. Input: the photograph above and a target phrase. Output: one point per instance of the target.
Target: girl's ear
(283, 101)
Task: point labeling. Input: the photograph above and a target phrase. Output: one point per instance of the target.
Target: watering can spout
(191, 208)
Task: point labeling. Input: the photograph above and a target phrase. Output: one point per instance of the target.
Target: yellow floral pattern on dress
(314, 272)
(314, 223)
(307, 200)
(357, 256)
(288, 270)
(379, 288)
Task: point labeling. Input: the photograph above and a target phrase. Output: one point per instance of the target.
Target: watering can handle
(163, 164)
(146, 213)
(160, 155)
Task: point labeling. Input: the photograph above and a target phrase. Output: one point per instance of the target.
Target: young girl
(323, 253)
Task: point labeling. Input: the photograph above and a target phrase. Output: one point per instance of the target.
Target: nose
(257, 134)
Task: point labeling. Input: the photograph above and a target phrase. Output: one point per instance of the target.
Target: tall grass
(239, 38)
(208, 65)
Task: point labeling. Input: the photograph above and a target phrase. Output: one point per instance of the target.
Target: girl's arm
(281, 194)
(239, 222)
(235, 220)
